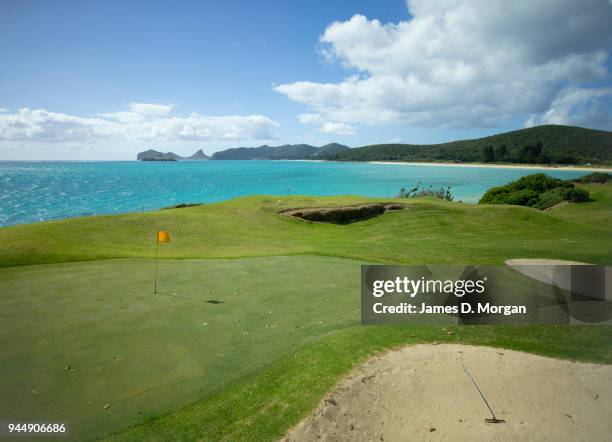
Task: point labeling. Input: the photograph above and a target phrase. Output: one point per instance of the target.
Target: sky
(103, 80)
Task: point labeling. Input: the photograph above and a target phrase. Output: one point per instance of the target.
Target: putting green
(77, 337)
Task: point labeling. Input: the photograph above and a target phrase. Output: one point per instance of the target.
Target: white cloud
(309, 118)
(333, 127)
(3, 110)
(139, 112)
(463, 63)
(577, 107)
(141, 122)
(327, 127)
(151, 109)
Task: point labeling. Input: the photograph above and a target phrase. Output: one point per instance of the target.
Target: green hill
(285, 152)
(550, 144)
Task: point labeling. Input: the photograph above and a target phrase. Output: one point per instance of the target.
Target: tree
(488, 155)
(503, 151)
(536, 150)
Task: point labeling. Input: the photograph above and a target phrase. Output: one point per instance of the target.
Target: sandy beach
(501, 166)
(498, 166)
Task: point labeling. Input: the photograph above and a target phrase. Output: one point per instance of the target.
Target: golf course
(257, 314)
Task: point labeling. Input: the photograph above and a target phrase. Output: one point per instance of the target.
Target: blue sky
(103, 80)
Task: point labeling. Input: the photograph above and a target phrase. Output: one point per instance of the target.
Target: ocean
(40, 191)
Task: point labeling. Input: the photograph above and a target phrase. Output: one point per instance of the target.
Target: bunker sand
(421, 393)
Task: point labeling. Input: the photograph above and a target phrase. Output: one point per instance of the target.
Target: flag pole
(156, 249)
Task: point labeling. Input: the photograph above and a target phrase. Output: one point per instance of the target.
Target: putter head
(494, 420)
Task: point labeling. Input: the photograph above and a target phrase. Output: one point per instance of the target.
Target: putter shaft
(493, 419)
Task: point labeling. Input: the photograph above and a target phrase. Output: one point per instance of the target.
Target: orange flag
(163, 236)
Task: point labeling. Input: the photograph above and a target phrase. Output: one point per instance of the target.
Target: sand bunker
(343, 214)
(421, 393)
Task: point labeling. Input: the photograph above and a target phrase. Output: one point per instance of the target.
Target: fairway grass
(243, 344)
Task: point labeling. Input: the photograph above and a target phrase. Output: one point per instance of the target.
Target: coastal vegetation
(595, 177)
(549, 144)
(243, 344)
(417, 191)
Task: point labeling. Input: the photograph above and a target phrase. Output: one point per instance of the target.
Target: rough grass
(432, 231)
(596, 211)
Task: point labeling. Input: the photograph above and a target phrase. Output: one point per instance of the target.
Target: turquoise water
(39, 191)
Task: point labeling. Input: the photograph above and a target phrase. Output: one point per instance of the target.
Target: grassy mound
(433, 231)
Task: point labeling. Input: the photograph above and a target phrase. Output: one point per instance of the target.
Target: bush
(524, 197)
(537, 190)
(550, 198)
(524, 191)
(493, 194)
(595, 177)
(539, 183)
(575, 195)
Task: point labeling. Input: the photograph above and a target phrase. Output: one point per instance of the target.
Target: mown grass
(263, 405)
(77, 336)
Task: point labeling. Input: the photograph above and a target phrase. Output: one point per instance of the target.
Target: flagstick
(156, 249)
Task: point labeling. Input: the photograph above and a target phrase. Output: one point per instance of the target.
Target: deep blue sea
(39, 191)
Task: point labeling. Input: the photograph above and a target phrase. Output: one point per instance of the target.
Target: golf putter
(488, 420)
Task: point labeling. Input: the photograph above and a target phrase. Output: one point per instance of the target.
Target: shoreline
(401, 163)
(499, 166)
(447, 164)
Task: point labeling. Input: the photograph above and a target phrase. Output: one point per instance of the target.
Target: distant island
(542, 145)
(265, 152)
(154, 155)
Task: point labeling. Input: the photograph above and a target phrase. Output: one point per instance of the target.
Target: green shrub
(595, 177)
(539, 183)
(525, 197)
(575, 195)
(493, 194)
(550, 198)
(537, 190)
(524, 191)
